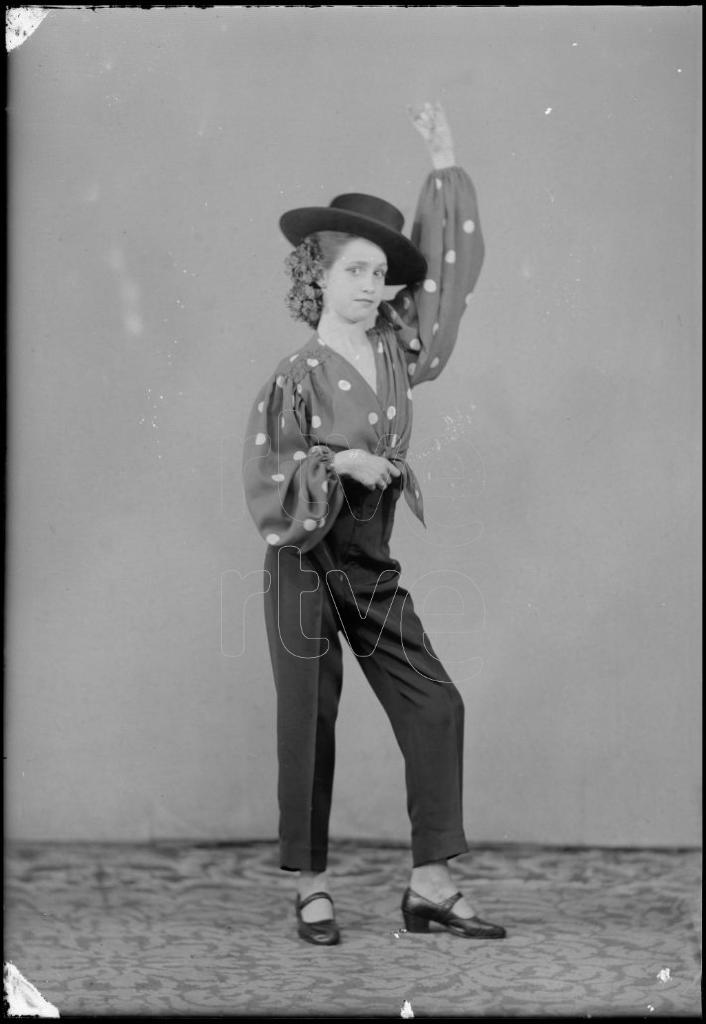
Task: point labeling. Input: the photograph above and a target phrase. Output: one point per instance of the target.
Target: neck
(333, 330)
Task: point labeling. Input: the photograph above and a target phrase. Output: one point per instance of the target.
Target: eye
(380, 273)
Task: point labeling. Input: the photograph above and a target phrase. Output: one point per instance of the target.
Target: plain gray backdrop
(151, 153)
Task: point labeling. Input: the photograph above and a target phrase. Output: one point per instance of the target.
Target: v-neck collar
(356, 371)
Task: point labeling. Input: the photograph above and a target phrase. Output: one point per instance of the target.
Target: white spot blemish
(344, 385)
(406, 1012)
(312, 362)
(282, 422)
(298, 456)
(20, 23)
(547, 111)
(380, 347)
(299, 389)
(415, 344)
(261, 438)
(23, 999)
(309, 524)
(316, 421)
(437, 182)
(272, 538)
(468, 298)
(435, 329)
(411, 368)
(664, 975)
(409, 394)
(430, 286)
(280, 381)
(372, 417)
(278, 477)
(434, 362)
(450, 256)
(260, 406)
(469, 226)
(324, 486)
(292, 358)
(393, 439)
(391, 411)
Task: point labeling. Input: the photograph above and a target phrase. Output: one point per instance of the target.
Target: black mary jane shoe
(418, 912)
(319, 933)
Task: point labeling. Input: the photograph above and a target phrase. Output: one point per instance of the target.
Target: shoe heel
(415, 924)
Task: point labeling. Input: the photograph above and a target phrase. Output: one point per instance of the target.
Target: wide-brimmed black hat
(365, 217)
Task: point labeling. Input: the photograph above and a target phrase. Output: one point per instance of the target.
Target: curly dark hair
(305, 264)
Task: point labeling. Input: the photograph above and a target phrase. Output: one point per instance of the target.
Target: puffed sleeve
(447, 231)
(291, 488)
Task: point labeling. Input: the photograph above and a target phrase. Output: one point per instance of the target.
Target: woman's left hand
(431, 123)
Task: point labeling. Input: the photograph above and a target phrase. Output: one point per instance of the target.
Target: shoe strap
(451, 901)
(315, 896)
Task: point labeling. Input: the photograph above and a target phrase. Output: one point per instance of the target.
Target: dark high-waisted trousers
(349, 583)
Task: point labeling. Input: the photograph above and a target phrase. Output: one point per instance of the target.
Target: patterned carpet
(191, 930)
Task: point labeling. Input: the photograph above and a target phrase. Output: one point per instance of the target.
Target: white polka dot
(409, 394)
(437, 182)
(299, 388)
(324, 486)
(434, 362)
(393, 439)
(292, 358)
(278, 477)
(260, 406)
(380, 347)
(391, 411)
(261, 438)
(469, 227)
(272, 538)
(344, 385)
(415, 344)
(309, 524)
(411, 368)
(280, 381)
(372, 417)
(450, 256)
(429, 285)
(312, 362)
(298, 456)
(316, 421)
(435, 329)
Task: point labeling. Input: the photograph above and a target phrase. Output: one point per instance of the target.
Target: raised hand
(431, 123)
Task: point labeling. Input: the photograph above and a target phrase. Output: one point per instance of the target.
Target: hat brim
(405, 263)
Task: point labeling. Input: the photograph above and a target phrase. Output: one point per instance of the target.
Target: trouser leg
(424, 707)
(306, 660)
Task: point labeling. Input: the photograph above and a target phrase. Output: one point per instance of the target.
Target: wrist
(442, 160)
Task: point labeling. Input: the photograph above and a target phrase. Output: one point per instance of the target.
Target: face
(354, 284)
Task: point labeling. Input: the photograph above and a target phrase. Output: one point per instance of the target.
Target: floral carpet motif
(208, 929)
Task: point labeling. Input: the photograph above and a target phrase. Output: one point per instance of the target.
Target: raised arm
(447, 231)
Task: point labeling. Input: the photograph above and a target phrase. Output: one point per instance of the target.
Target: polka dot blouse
(316, 403)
